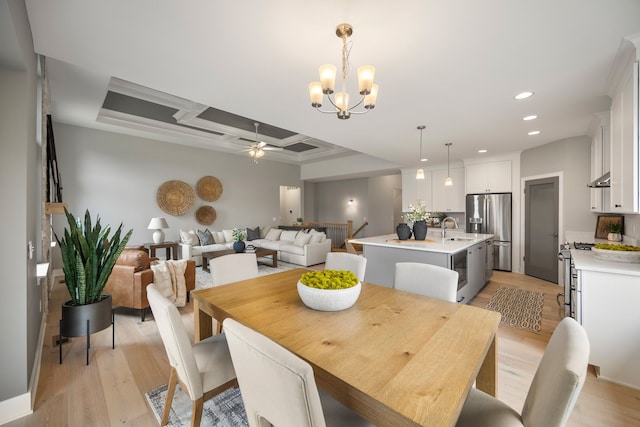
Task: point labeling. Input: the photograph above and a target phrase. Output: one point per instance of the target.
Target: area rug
(519, 308)
(205, 279)
(224, 410)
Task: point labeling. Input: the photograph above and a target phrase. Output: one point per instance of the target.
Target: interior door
(541, 228)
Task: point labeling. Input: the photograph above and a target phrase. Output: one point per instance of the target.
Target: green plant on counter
(615, 247)
(88, 257)
(615, 228)
(329, 279)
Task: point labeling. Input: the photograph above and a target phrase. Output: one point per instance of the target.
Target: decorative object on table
(158, 224)
(605, 221)
(616, 252)
(615, 232)
(404, 231)
(299, 221)
(238, 240)
(209, 188)
(175, 197)
(205, 215)
(88, 256)
(520, 308)
(326, 85)
(419, 216)
(329, 290)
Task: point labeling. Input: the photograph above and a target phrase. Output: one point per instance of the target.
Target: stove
(583, 246)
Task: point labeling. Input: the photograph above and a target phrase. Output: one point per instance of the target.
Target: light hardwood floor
(110, 391)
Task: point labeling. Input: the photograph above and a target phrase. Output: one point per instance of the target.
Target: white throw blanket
(168, 277)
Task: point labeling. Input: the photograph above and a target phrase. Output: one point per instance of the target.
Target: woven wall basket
(175, 197)
(209, 188)
(205, 215)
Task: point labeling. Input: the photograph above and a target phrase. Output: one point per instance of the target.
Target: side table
(169, 246)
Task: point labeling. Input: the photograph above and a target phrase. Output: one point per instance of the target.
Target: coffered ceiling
(202, 72)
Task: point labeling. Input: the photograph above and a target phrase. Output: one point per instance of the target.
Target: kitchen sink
(459, 239)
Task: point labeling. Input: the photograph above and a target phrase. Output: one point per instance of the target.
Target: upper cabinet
(492, 177)
(416, 190)
(624, 138)
(600, 162)
(448, 198)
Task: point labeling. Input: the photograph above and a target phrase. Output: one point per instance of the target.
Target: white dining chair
(278, 388)
(203, 369)
(233, 268)
(345, 261)
(426, 279)
(553, 392)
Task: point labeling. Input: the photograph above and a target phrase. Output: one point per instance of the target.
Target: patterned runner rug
(519, 308)
(224, 410)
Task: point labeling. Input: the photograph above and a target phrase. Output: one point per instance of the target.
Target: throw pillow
(273, 234)
(264, 230)
(253, 234)
(302, 239)
(189, 238)
(218, 237)
(228, 235)
(317, 237)
(289, 235)
(206, 238)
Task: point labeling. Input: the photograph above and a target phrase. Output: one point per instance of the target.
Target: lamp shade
(158, 224)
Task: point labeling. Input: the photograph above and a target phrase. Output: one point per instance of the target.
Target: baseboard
(14, 408)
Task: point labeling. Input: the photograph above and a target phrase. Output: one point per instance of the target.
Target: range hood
(602, 182)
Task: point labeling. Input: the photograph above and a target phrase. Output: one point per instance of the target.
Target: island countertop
(454, 242)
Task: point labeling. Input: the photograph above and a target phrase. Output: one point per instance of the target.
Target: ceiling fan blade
(270, 148)
(261, 144)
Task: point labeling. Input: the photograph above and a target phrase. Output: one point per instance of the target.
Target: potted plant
(299, 221)
(238, 240)
(329, 290)
(615, 233)
(419, 216)
(88, 256)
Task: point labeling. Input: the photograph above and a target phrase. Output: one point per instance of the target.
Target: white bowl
(329, 299)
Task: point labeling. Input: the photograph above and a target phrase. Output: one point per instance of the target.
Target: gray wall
(20, 314)
(572, 157)
(372, 202)
(117, 176)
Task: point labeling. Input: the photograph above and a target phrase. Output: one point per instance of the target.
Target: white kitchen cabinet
(609, 314)
(416, 190)
(491, 177)
(624, 145)
(448, 198)
(600, 163)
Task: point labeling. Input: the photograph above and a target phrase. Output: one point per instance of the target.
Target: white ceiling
(454, 66)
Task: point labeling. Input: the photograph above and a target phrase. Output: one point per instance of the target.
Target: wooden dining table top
(394, 357)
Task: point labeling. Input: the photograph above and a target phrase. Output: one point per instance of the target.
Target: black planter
(403, 231)
(84, 320)
(420, 230)
(238, 246)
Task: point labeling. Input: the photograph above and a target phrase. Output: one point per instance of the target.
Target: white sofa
(293, 246)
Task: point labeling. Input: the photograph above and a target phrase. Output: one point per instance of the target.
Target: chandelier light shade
(158, 224)
(326, 86)
(420, 172)
(448, 182)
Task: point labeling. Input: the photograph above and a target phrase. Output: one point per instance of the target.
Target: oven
(568, 298)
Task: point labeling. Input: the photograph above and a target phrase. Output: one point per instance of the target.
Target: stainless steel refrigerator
(491, 214)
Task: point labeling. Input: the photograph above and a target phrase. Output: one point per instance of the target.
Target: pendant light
(420, 172)
(448, 182)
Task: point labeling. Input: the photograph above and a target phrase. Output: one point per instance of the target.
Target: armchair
(131, 275)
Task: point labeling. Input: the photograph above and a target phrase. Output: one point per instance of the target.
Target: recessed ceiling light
(524, 95)
(534, 132)
(424, 159)
(482, 151)
(531, 117)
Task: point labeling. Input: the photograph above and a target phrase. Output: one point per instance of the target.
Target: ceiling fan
(258, 148)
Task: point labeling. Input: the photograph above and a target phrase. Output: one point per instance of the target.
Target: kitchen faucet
(444, 228)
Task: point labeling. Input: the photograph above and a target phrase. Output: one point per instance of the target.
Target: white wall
(117, 176)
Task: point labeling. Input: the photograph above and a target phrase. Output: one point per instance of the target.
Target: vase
(403, 231)
(238, 246)
(614, 237)
(420, 230)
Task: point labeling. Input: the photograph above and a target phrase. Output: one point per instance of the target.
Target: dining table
(394, 357)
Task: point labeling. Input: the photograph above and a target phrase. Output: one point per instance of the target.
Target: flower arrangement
(417, 213)
(238, 235)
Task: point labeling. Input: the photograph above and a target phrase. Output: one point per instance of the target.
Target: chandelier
(340, 100)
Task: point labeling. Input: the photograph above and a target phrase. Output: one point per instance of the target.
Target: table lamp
(158, 224)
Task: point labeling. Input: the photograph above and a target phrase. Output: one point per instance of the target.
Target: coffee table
(260, 252)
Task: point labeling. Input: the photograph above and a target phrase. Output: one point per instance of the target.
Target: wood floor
(110, 391)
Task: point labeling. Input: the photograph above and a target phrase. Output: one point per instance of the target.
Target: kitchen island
(471, 255)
